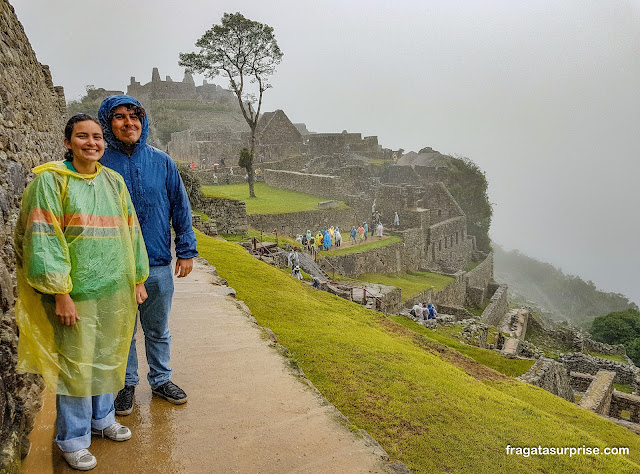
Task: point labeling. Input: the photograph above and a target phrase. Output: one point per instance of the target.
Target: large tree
(244, 51)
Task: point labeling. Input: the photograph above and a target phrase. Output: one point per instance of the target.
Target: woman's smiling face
(87, 145)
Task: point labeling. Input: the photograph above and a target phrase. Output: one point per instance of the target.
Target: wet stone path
(247, 412)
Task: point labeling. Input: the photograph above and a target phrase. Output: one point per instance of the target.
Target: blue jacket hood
(107, 106)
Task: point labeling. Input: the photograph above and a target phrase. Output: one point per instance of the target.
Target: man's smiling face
(126, 125)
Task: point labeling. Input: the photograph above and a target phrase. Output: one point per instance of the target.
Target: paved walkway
(247, 412)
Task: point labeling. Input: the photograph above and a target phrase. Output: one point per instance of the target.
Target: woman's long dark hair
(68, 130)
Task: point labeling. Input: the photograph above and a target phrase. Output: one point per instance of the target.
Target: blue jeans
(77, 415)
(154, 319)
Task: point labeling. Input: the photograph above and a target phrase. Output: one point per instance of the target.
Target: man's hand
(66, 310)
(141, 293)
(183, 267)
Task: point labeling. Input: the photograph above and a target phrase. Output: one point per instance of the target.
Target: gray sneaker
(115, 432)
(82, 460)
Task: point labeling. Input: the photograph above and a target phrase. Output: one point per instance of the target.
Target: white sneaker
(82, 460)
(115, 432)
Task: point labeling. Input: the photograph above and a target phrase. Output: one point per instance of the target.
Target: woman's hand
(66, 310)
(141, 293)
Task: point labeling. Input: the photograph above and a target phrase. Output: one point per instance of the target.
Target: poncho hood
(61, 168)
(107, 106)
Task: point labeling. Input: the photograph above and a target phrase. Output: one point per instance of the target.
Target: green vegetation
(270, 200)
(550, 347)
(202, 215)
(613, 357)
(567, 296)
(623, 387)
(428, 405)
(467, 183)
(369, 244)
(478, 311)
(620, 327)
(448, 337)
(411, 283)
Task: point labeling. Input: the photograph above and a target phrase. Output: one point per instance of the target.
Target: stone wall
(625, 401)
(550, 376)
(230, 216)
(31, 132)
(580, 382)
(480, 277)
(329, 143)
(584, 363)
(206, 148)
(598, 395)
(298, 222)
(497, 307)
(316, 184)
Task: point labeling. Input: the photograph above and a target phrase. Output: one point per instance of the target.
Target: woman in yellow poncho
(81, 264)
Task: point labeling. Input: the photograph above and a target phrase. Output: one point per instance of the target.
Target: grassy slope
(269, 200)
(428, 406)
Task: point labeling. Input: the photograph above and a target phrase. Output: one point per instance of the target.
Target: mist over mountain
(560, 296)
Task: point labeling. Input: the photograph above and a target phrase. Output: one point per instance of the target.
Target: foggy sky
(542, 95)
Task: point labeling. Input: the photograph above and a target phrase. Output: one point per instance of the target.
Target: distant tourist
(416, 311)
(396, 219)
(366, 229)
(432, 311)
(261, 158)
(353, 234)
(337, 236)
(361, 233)
(379, 229)
(296, 272)
(293, 259)
(425, 311)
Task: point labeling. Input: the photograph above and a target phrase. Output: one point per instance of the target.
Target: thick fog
(542, 95)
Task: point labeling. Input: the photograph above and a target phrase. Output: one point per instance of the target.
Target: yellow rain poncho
(77, 234)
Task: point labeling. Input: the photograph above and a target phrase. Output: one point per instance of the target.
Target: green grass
(266, 237)
(613, 357)
(447, 335)
(551, 347)
(411, 283)
(269, 200)
(202, 215)
(369, 244)
(428, 406)
(623, 387)
(478, 311)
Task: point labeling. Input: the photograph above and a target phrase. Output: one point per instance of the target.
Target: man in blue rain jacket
(160, 200)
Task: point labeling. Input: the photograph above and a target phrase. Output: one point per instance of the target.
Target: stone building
(169, 89)
(330, 143)
(31, 132)
(276, 139)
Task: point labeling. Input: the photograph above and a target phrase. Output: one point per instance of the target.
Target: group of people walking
(322, 240)
(93, 248)
(424, 311)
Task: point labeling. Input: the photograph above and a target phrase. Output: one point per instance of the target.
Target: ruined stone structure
(551, 376)
(329, 143)
(31, 132)
(586, 364)
(186, 89)
(276, 139)
(206, 148)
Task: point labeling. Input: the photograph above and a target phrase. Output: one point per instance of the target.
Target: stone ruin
(31, 129)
